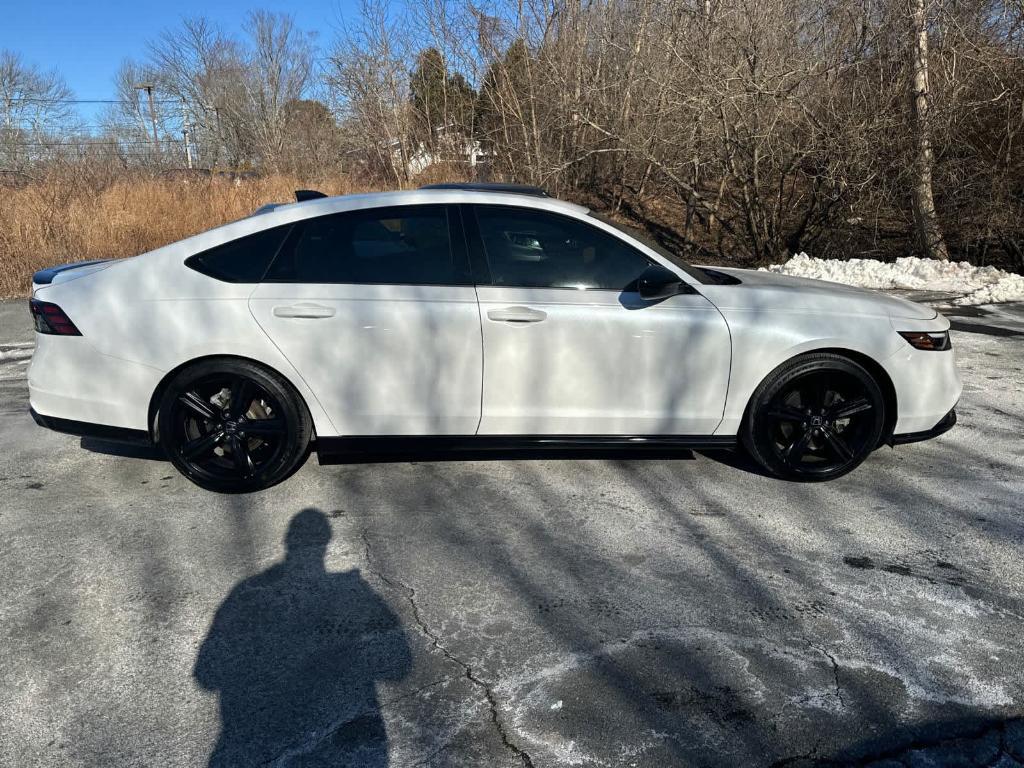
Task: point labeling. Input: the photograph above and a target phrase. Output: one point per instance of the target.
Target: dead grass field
(62, 218)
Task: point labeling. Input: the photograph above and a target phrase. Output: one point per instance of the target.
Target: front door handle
(516, 315)
(311, 311)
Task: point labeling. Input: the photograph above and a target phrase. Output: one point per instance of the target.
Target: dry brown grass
(63, 218)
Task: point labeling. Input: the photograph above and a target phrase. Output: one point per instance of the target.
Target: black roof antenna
(301, 195)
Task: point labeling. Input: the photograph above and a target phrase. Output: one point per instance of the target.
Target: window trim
(458, 255)
(481, 261)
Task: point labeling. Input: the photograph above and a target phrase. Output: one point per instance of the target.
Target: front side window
(400, 245)
(536, 249)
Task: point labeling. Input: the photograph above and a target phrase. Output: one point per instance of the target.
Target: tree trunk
(929, 232)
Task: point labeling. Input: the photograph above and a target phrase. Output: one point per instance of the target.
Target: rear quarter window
(244, 260)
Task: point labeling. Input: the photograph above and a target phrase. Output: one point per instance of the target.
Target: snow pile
(979, 285)
(16, 351)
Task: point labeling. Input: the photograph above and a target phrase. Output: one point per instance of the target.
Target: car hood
(805, 294)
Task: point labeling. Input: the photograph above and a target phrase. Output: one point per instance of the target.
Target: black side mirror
(657, 282)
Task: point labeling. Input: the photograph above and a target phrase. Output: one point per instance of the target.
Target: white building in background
(452, 145)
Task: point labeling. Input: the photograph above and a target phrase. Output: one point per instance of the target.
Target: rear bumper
(945, 424)
(88, 429)
(69, 380)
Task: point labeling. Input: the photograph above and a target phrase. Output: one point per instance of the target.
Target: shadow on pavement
(295, 653)
(535, 454)
(125, 450)
(968, 741)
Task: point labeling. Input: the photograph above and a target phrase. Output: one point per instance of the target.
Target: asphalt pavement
(607, 612)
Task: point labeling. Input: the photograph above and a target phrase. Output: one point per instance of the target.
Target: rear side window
(407, 245)
(537, 249)
(244, 260)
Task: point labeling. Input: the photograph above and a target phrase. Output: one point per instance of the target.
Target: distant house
(451, 145)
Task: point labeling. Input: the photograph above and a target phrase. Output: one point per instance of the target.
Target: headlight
(932, 342)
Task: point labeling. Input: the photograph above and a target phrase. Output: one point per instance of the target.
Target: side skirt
(342, 450)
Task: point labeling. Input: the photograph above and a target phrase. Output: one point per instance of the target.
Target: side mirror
(656, 283)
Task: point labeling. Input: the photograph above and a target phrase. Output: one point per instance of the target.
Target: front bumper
(945, 424)
(927, 387)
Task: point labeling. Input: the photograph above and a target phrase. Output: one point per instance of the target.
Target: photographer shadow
(295, 654)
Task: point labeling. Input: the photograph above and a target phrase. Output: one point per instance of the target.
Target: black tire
(815, 417)
(228, 446)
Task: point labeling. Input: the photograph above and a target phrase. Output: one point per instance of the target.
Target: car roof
(285, 212)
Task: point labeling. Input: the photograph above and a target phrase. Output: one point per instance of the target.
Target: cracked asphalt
(668, 611)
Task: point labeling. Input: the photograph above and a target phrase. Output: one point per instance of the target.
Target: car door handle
(516, 315)
(311, 311)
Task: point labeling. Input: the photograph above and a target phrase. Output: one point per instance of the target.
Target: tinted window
(537, 249)
(408, 245)
(244, 260)
(698, 274)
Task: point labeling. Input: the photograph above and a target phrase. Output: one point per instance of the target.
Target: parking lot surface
(607, 612)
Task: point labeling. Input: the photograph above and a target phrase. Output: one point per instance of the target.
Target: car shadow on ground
(736, 459)
(139, 450)
(148, 452)
(970, 740)
(294, 654)
(538, 454)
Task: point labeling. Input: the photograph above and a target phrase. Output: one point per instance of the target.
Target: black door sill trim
(334, 450)
(88, 429)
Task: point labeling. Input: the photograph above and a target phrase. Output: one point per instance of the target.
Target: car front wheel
(814, 418)
(232, 426)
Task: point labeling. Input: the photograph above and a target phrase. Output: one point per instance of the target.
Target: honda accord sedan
(472, 318)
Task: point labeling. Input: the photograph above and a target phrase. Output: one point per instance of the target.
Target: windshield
(695, 272)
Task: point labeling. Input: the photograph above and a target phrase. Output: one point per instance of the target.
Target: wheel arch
(872, 366)
(158, 392)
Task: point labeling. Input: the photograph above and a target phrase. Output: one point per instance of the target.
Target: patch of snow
(978, 285)
(15, 354)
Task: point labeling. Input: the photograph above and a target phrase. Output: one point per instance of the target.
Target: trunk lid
(63, 272)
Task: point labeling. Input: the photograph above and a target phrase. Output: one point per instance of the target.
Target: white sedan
(472, 318)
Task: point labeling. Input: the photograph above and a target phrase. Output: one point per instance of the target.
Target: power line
(88, 143)
(34, 100)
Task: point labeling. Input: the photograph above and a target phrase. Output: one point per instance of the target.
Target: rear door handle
(311, 311)
(516, 315)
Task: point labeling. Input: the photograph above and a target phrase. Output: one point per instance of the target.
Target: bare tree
(368, 73)
(928, 230)
(34, 111)
(200, 66)
(275, 73)
(744, 130)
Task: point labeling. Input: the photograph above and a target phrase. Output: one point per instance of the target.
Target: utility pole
(220, 137)
(184, 130)
(148, 88)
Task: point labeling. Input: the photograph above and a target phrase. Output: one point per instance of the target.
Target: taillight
(49, 318)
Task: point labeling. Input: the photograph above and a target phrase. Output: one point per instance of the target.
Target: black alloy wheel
(231, 426)
(815, 418)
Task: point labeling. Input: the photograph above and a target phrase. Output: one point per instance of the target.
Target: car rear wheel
(232, 426)
(814, 418)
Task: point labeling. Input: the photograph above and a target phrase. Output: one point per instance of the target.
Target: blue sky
(85, 40)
